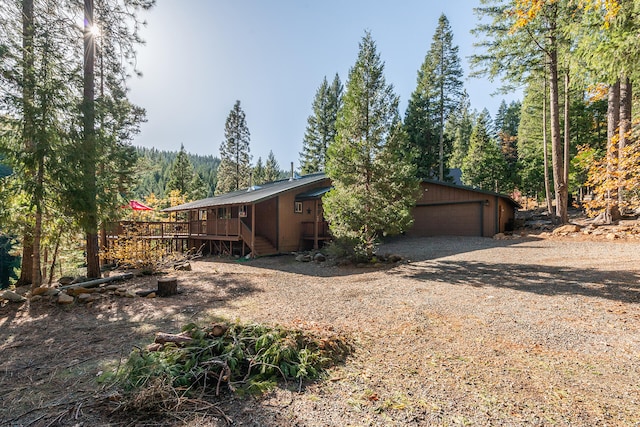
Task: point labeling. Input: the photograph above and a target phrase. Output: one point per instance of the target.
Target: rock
(319, 257)
(612, 236)
(41, 290)
(86, 297)
(566, 229)
(303, 258)
(51, 292)
(65, 280)
(12, 296)
(112, 287)
(80, 290)
(64, 298)
(499, 236)
(151, 295)
(394, 258)
(35, 298)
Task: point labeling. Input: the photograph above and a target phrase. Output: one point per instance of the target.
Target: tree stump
(167, 286)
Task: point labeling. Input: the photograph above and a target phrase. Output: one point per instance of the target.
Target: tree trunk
(624, 128)
(90, 220)
(567, 139)
(28, 90)
(55, 259)
(613, 119)
(545, 150)
(556, 143)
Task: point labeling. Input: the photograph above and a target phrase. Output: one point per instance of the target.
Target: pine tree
(235, 165)
(523, 37)
(258, 173)
(484, 166)
(271, 169)
(374, 185)
(437, 94)
(183, 178)
(506, 124)
(458, 129)
(321, 126)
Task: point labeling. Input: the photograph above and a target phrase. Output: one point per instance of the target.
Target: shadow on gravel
(409, 248)
(52, 354)
(544, 280)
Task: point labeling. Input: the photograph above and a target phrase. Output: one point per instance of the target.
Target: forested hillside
(154, 171)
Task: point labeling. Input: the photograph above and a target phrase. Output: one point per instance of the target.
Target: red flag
(137, 206)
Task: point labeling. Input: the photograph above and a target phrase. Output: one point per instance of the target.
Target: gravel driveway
(469, 331)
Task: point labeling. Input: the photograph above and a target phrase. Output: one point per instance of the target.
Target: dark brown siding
(290, 227)
(446, 210)
(266, 224)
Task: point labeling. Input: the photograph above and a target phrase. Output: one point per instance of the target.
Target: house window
(242, 213)
(202, 215)
(297, 207)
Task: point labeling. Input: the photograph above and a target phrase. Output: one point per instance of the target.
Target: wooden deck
(222, 233)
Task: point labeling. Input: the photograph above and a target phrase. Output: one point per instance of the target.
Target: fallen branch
(97, 282)
(163, 338)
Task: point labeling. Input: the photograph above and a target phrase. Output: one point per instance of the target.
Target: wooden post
(253, 228)
(315, 225)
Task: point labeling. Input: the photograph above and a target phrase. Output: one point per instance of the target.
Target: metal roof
(313, 193)
(250, 196)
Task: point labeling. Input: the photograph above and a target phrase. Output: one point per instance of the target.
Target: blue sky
(203, 55)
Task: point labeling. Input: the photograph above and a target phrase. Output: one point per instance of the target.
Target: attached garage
(453, 210)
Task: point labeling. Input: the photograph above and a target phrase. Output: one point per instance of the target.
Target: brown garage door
(447, 220)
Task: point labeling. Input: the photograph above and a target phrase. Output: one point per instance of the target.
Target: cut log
(163, 338)
(167, 286)
(97, 282)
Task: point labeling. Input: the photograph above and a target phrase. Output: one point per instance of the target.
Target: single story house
(287, 215)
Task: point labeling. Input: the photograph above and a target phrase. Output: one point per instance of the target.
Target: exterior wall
(290, 227)
(446, 210)
(266, 226)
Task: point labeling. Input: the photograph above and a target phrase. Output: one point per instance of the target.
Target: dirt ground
(466, 331)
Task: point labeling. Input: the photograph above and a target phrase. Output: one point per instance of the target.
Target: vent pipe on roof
(250, 182)
(292, 177)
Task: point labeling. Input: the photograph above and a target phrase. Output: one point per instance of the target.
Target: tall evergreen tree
(271, 168)
(235, 165)
(184, 178)
(321, 126)
(523, 36)
(458, 130)
(506, 125)
(437, 94)
(258, 173)
(484, 166)
(374, 185)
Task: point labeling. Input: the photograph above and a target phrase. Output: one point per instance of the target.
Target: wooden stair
(263, 247)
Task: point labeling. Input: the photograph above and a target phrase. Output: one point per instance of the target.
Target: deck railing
(166, 229)
(149, 228)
